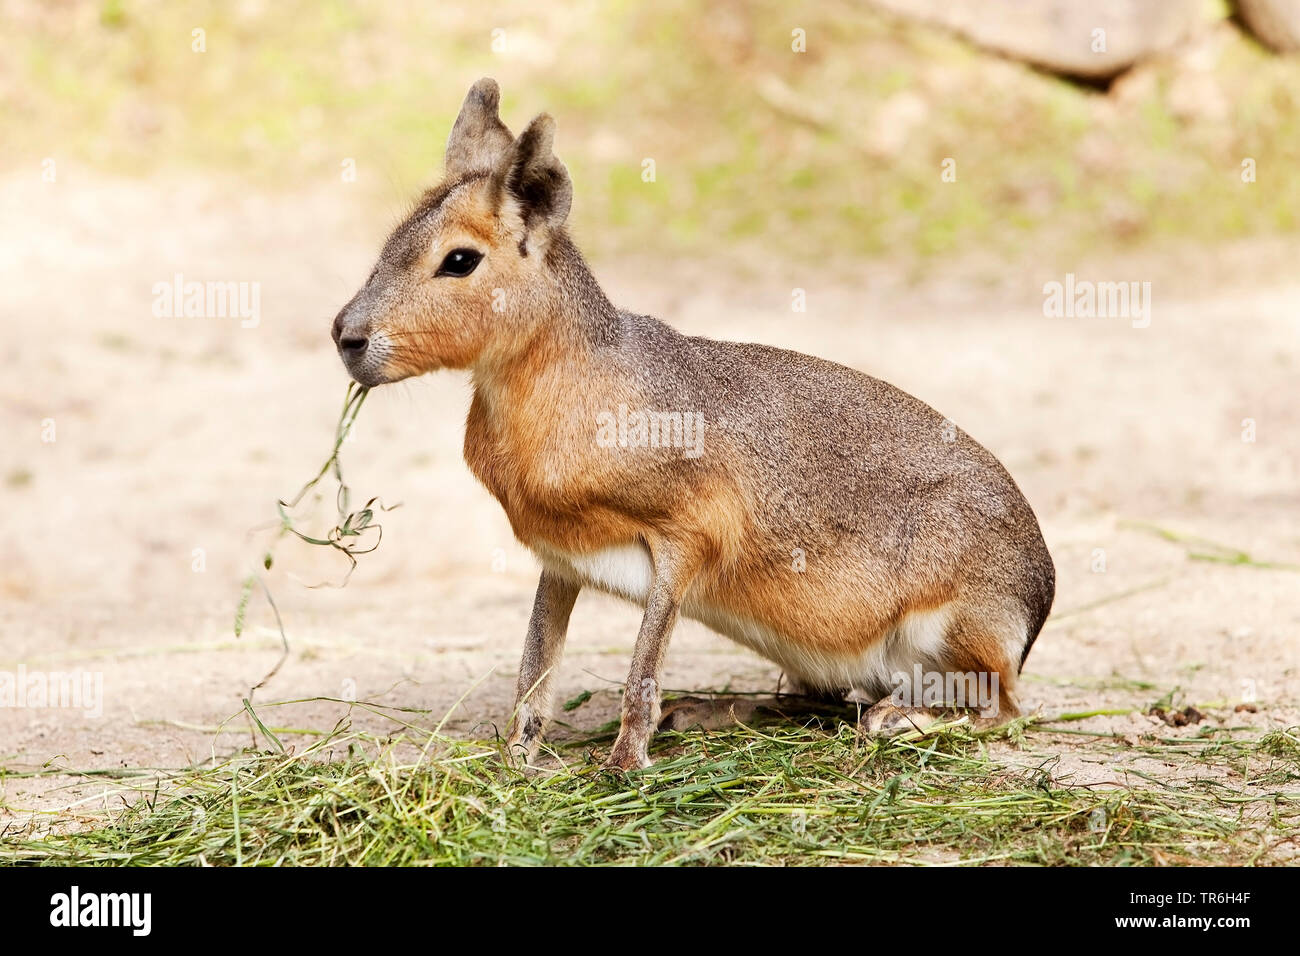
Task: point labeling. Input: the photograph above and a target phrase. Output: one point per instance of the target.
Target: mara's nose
(350, 339)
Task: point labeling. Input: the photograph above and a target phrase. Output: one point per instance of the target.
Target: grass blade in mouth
(354, 532)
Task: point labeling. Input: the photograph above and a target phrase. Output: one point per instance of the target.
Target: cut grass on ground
(778, 794)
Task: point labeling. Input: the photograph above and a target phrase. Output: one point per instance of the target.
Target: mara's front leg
(644, 690)
(543, 647)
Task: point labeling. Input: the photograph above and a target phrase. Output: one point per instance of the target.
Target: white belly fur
(626, 571)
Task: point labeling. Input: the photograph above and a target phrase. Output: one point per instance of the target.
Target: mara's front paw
(525, 739)
(627, 756)
(520, 753)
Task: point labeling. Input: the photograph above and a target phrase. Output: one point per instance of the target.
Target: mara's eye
(459, 262)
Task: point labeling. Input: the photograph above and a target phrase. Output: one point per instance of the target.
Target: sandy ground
(176, 434)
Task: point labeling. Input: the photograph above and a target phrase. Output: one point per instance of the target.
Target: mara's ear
(530, 175)
(479, 138)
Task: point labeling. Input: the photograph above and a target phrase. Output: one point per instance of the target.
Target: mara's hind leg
(983, 659)
(974, 676)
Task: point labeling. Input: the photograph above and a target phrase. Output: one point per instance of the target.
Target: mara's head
(466, 276)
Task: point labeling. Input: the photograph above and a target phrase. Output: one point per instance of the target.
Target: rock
(1275, 22)
(1095, 41)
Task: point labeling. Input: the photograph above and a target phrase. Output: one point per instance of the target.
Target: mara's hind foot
(971, 682)
(885, 718)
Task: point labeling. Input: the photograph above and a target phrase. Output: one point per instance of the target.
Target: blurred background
(841, 142)
(920, 170)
